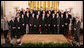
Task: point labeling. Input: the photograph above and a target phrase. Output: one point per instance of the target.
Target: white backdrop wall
(76, 5)
(10, 5)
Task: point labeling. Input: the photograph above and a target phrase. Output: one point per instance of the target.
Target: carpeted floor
(68, 38)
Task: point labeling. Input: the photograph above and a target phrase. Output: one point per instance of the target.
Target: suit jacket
(31, 21)
(58, 20)
(35, 12)
(43, 22)
(18, 24)
(53, 21)
(27, 12)
(61, 21)
(22, 21)
(41, 11)
(77, 26)
(12, 24)
(37, 22)
(27, 20)
(52, 11)
(67, 20)
(48, 20)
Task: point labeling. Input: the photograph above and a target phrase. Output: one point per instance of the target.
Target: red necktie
(43, 18)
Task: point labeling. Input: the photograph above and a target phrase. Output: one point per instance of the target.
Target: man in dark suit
(52, 11)
(39, 14)
(69, 15)
(49, 12)
(72, 26)
(23, 26)
(48, 22)
(35, 11)
(31, 22)
(43, 19)
(53, 22)
(41, 11)
(12, 24)
(46, 11)
(77, 25)
(65, 12)
(27, 11)
(61, 24)
(18, 27)
(59, 12)
(67, 21)
(21, 12)
(31, 12)
(36, 24)
(58, 23)
(27, 18)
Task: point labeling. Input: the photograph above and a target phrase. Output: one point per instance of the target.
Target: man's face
(27, 14)
(37, 16)
(76, 19)
(51, 8)
(41, 8)
(47, 14)
(53, 15)
(65, 9)
(57, 14)
(34, 8)
(12, 18)
(62, 15)
(27, 9)
(22, 15)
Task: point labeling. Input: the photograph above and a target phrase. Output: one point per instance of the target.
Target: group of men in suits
(41, 21)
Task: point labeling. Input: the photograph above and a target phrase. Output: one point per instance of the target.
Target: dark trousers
(30, 28)
(23, 30)
(77, 35)
(48, 29)
(43, 29)
(61, 30)
(13, 33)
(66, 29)
(5, 33)
(36, 30)
(53, 30)
(18, 33)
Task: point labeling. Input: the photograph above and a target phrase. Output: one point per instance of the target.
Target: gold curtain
(44, 5)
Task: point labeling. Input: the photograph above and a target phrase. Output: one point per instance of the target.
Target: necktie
(43, 18)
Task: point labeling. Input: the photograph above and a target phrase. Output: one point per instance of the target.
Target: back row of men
(41, 21)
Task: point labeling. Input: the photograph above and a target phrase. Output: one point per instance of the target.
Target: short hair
(27, 8)
(77, 17)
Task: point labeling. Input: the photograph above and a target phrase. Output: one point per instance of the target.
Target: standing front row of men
(43, 21)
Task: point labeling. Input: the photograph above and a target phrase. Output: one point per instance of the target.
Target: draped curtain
(44, 5)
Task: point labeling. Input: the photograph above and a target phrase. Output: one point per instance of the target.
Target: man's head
(41, 8)
(47, 14)
(22, 15)
(34, 8)
(53, 14)
(27, 9)
(12, 17)
(61, 15)
(27, 14)
(33, 15)
(57, 14)
(37, 16)
(51, 8)
(77, 18)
